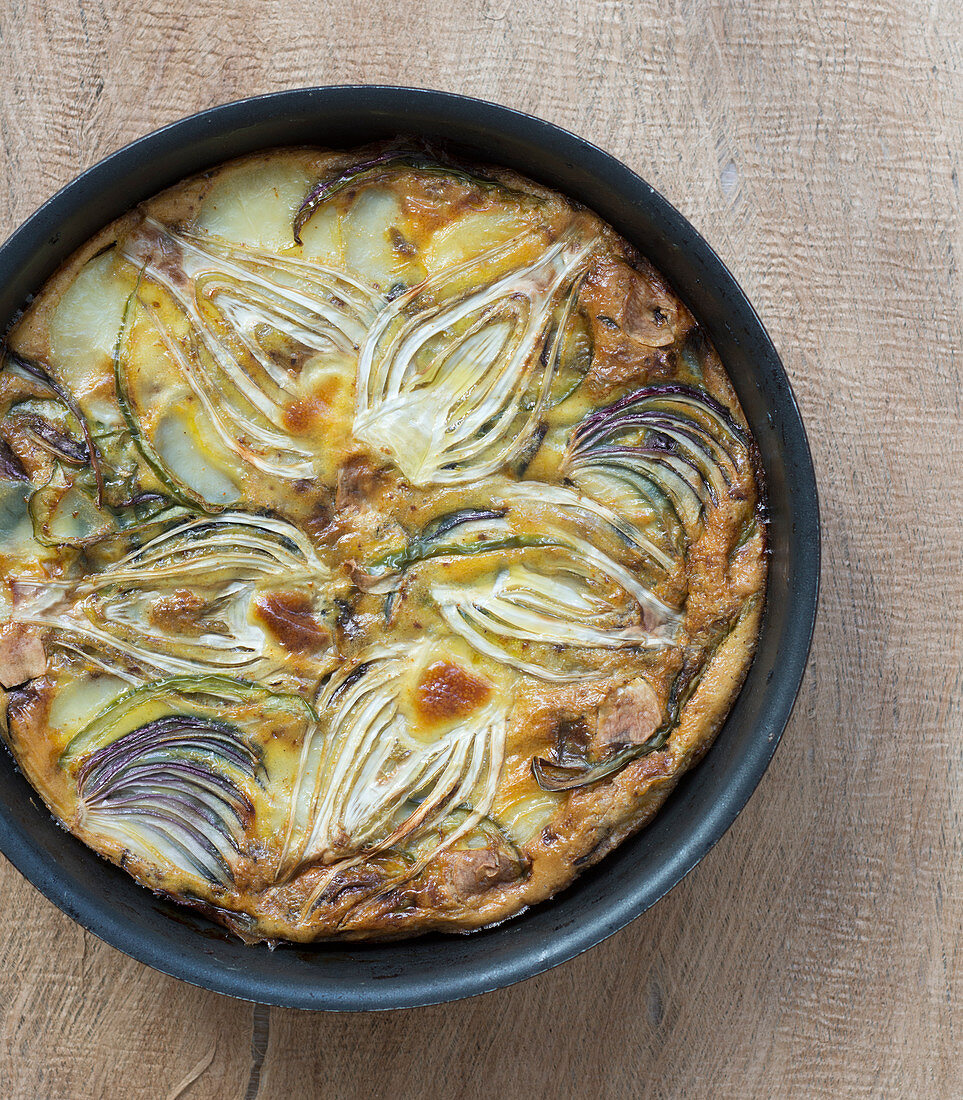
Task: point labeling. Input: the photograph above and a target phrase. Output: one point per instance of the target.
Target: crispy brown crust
(638, 327)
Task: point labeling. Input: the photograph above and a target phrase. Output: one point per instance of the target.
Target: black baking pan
(445, 967)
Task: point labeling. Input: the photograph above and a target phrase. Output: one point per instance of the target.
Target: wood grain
(817, 950)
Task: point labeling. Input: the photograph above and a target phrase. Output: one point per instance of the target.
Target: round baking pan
(437, 968)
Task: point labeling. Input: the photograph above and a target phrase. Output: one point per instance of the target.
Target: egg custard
(381, 540)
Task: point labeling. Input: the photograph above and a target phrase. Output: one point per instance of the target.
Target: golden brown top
(383, 538)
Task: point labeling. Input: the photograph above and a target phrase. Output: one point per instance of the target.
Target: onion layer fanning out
(558, 573)
(226, 297)
(366, 762)
(156, 791)
(182, 603)
(177, 788)
(452, 381)
(672, 446)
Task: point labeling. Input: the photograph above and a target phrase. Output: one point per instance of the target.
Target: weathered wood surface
(817, 950)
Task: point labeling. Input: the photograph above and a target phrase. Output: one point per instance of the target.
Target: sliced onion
(672, 447)
(62, 514)
(29, 369)
(548, 593)
(225, 292)
(565, 611)
(229, 560)
(452, 383)
(175, 790)
(360, 772)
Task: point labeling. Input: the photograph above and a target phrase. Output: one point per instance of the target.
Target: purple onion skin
(592, 437)
(66, 448)
(35, 371)
(11, 468)
(671, 436)
(186, 731)
(161, 774)
(611, 414)
(423, 151)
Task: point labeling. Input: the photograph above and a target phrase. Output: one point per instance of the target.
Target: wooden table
(817, 950)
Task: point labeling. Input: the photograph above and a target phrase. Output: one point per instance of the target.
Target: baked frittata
(382, 539)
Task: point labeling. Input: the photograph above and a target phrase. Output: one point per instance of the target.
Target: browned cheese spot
(303, 415)
(446, 691)
(289, 617)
